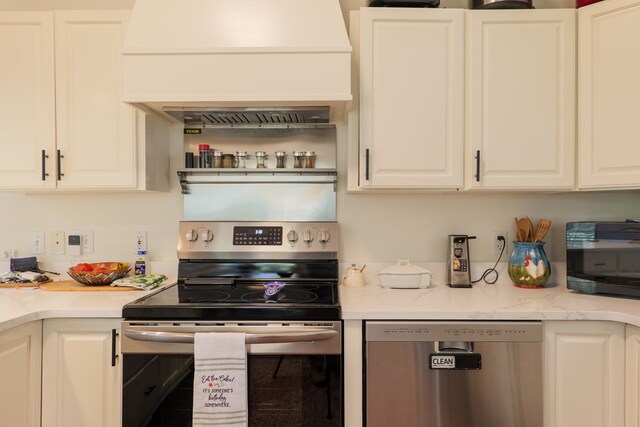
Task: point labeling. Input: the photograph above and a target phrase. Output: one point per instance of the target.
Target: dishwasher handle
(267, 338)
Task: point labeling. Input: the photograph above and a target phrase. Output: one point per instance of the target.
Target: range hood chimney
(186, 56)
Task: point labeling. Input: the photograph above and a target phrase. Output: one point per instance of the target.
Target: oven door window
(286, 390)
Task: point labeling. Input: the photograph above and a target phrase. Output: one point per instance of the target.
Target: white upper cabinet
(95, 130)
(521, 99)
(609, 92)
(411, 98)
(84, 136)
(27, 103)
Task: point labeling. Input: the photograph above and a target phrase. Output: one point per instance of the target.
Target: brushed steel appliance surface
(251, 240)
(502, 4)
(458, 261)
(415, 375)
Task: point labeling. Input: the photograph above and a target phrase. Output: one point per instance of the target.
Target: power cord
(488, 271)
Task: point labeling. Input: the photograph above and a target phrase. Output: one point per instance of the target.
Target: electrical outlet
(497, 245)
(57, 242)
(37, 243)
(141, 241)
(86, 240)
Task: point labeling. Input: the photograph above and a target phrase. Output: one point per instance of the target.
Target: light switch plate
(57, 242)
(37, 243)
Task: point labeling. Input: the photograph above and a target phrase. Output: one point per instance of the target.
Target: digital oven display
(255, 236)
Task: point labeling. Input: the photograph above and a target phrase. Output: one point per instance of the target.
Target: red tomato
(100, 269)
(83, 266)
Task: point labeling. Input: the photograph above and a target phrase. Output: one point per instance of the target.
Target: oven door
(294, 372)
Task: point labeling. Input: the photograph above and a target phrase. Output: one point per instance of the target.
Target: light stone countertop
(22, 305)
(501, 301)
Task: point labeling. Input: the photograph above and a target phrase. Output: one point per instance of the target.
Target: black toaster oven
(604, 257)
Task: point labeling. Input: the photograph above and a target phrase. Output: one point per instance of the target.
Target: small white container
(404, 275)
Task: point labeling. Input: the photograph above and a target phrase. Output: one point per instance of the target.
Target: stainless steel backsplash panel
(261, 202)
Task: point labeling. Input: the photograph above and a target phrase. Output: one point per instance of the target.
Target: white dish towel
(220, 380)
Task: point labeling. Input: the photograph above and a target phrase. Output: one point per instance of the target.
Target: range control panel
(276, 240)
(257, 235)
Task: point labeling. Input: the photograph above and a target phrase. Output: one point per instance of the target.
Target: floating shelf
(255, 176)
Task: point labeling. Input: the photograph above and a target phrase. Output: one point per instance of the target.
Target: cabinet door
(632, 385)
(81, 379)
(584, 374)
(20, 361)
(521, 99)
(608, 93)
(411, 98)
(96, 132)
(27, 115)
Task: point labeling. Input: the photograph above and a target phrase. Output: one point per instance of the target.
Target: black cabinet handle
(478, 166)
(60, 174)
(114, 354)
(43, 165)
(366, 164)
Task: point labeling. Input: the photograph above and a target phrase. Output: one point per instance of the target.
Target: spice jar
(228, 161)
(310, 159)
(280, 155)
(205, 156)
(298, 159)
(241, 157)
(260, 156)
(217, 159)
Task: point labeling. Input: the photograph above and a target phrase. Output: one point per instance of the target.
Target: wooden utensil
(523, 230)
(541, 229)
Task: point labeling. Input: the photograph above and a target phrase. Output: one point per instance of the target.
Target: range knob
(207, 235)
(323, 236)
(307, 236)
(192, 235)
(292, 236)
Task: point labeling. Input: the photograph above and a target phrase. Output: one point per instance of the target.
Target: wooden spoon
(524, 229)
(541, 229)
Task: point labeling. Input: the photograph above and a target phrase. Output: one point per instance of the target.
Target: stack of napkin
(142, 281)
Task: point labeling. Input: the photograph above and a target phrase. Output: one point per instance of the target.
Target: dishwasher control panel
(453, 331)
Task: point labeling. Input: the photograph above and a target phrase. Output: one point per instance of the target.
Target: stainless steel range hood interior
(266, 54)
(251, 117)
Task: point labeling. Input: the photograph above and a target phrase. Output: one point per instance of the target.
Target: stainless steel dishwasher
(453, 374)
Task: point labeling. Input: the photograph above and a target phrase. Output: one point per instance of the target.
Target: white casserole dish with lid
(404, 275)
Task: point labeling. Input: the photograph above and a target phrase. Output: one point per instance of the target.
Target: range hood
(279, 59)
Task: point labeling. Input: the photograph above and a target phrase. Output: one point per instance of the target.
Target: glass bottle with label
(140, 266)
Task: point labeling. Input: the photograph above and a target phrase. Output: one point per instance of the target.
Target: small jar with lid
(298, 159)
(205, 155)
(260, 158)
(241, 157)
(310, 159)
(280, 156)
(228, 161)
(217, 159)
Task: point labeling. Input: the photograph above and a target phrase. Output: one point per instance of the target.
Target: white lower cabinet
(81, 373)
(632, 376)
(20, 369)
(584, 374)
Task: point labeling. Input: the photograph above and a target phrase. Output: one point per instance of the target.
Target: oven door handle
(267, 338)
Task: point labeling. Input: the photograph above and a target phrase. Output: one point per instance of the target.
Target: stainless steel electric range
(275, 281)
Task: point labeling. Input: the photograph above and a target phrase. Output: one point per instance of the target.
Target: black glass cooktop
(268, 300)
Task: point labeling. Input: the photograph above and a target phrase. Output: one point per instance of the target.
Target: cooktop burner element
(235, 271)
